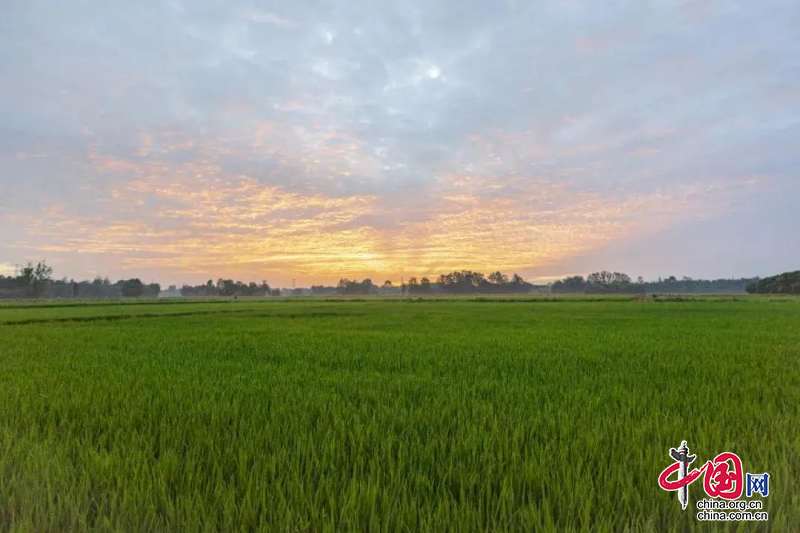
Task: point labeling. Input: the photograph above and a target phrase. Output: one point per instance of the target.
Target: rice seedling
(396, 415)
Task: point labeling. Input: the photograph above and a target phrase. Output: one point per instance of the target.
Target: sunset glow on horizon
(188, 141)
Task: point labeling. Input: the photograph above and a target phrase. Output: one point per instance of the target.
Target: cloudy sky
(183, 140)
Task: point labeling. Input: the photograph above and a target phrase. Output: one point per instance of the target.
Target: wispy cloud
(193, 138)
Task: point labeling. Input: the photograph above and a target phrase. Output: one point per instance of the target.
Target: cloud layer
(179, 140)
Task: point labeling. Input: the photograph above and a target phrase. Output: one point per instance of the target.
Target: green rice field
(391, 415)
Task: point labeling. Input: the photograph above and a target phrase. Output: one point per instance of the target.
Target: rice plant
(399, 415)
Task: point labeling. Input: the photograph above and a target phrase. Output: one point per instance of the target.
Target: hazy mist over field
(279, 140)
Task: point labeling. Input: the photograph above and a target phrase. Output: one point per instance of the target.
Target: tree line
(36, 281)
(229, 287)
(618, 282)
(603, 282)
(456, 282)
(786, 283)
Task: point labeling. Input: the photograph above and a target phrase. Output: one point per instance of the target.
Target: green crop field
(390, 415)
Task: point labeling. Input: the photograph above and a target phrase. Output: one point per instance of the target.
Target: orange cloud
(192, 219)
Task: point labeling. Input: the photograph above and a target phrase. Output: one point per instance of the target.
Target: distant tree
(25, 278)
(597, 282)
(467, 281)
(600, 278)
(786, 283)
(151, 290)
(571, 284)
(425, 286)
(226, 287)
(697, 286)
(131, 288)
(344, 286)
(498, 278)
(421, 286)
(36, 278)
(347, 286)
(322, 289)
(412, 287)
(611, 282)
(464, 281)
(618, 282)
(389, 288)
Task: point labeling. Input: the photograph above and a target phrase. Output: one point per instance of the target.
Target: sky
(180, 141)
